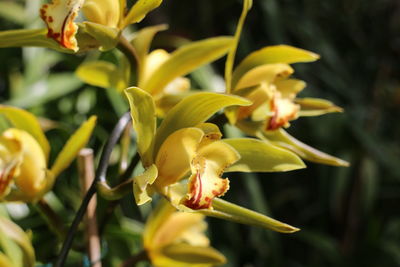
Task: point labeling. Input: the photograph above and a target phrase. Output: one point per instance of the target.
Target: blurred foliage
(348, 216)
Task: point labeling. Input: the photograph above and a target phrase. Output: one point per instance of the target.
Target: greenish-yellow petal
(270, 55)
(316, 106)
(144, 121)
(193, 110)
(30, 37)
(75, 143)
(186, 59)
(141, 183)
(102, 74)
(104, 12)
(175, 155)
(281, 138)
(139, 10)
(262, 156)
(143, 39)
(265, 73)
(188, 255)
(26, 121)
(231, 212)
(106, 36)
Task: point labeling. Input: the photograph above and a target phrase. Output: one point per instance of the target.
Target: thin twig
(86, 175)
(100, 176)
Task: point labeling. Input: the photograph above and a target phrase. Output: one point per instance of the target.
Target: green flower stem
(52, 219)
(116, 192)
(129, 51)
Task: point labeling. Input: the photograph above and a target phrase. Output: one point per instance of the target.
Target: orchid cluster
(178, 131)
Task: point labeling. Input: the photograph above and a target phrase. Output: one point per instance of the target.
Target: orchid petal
(270, 55)
(289, 88)
(186, 59)
(175, 155)
(193, 110)
(205, 183)
(144, 121)
(59, 17)
(231, 212)
(316, 106)
(74, 144)
(141, 183)
(106, 36)
(265, 73)
(104, 12)
(139, 10)
(262, 156)
(26, 121)
(283, 139)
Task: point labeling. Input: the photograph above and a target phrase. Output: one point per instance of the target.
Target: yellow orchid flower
(174, 238)
(105, 21)
(24, 150)
(264, 78)
(12, 236)
(185, 157)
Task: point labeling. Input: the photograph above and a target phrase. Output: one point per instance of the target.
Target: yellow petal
(141, 183)
(271, 55)
(151, 63)
(59, 17)
(316, 106)
(143, 120)
(289, 88)
(264, 73)
(166, 225)
(105, 12)
(205, 184)
(26, 121)
(175, 155)
(284, 110)
(139, 10)
(183, 255)
(258, 96)
(31, 174)
(281, 138)
(75, 143)
(10, 159)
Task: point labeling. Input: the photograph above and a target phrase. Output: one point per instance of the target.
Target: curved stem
(100, 176)
(129, 51)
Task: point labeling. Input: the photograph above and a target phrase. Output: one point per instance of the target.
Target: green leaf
(31, 37)
(192, 255)
(106, 36)
(283, 139)
(26, 121)
(139, 11)
(193, 110)
(143, 114)
(230, 60)
(71, 149)
(262, 156)
(231, 212)
(316, 106)
(102, 74)
(270, 55)
(185, 59)
(58, 85)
